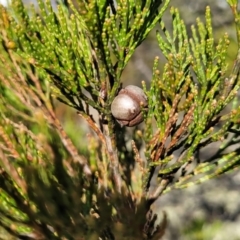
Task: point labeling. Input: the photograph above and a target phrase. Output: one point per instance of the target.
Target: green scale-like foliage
(50, 186)
(191, 95)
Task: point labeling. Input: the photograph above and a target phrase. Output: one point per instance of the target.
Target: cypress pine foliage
(53, 188)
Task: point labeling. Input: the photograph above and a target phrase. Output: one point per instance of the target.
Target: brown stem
(112, 153)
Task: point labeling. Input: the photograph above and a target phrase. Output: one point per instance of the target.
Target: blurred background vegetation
(203, 212)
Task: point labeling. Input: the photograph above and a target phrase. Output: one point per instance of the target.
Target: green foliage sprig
(191, 95)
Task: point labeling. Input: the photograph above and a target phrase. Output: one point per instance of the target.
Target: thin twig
(113, 156)
(93, 126)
